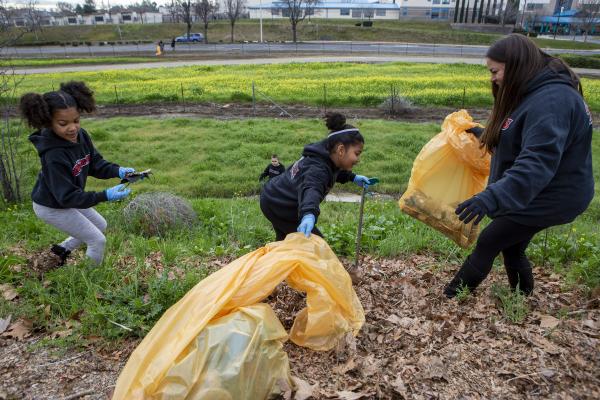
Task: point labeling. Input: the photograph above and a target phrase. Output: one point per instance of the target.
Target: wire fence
(149, 49)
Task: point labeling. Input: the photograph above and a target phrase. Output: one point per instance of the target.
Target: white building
(362, 9)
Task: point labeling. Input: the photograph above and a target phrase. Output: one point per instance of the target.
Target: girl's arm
(100, 168)
(544, 136)
(311, 191)
(58, 178)
(345, 176)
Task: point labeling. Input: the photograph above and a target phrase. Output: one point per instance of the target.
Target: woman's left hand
(473, 208)
(124, 171)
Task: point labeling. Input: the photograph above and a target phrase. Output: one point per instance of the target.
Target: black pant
(281, 226)
(501, 236)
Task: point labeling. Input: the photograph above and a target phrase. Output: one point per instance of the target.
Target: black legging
(506, 236)
(501, 236)
(281, 226)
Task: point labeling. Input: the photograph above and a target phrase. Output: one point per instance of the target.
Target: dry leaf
(394, 319)
(546, 345)
(304, 390)
(548, 322)
(4, 323)
(8, 291)
(398, 385)
(19, 330)
(62, 334)
(590, 323)
(348, 366)
(347, 395)
(547, 372)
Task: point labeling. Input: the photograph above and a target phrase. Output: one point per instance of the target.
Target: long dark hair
(37, 109)
(348, 135)
(523, 60)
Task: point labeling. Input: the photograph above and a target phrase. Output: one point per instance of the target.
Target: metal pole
(253, 100)
(261, 11)
(360, 224)
(557, 22)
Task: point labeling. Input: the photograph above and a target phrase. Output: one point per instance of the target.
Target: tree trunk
(456, 11)
(206, 32)
(467, 12)
(474, 13)
(7, 189)
(189, 27)
(232, 25)
(462, 11)
(294, 30)
(494, 8)
(480, 12)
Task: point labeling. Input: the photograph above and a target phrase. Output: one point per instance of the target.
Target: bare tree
(206, 10)
(174, 11)
(11, 157)
(297, 10)
(34, 17)
(510, 12)
(590, 15)
(185, 9)
(233, 9)
(5, 17)
(64, 8)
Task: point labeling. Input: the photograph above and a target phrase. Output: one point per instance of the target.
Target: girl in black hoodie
(67, 157)
(539, 134)
(291, 200)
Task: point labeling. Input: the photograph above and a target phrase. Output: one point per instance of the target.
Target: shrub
(157, 214)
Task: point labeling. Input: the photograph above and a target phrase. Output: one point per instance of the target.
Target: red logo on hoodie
(79, 164)
(507, 123)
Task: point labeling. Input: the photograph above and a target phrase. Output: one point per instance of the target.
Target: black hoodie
(304, 185)
(541, 170)
(65, 168)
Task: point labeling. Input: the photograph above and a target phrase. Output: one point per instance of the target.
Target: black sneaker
(61, 252)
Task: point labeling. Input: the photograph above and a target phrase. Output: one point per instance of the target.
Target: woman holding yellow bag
(539, 135)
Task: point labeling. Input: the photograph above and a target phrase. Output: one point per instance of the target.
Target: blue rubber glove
(117, 192)
(473, 208)
(124, 171)
(307, 224)
(362, 181)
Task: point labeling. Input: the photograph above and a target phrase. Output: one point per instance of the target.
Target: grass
(198, 159)
(46, 62)
(337, 84)
(513, 303)
(278, 30)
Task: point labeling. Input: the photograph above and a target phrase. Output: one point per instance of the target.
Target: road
(372, 48)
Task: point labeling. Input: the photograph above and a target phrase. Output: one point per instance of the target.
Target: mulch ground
(415, 344)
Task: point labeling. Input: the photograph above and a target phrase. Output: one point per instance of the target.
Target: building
(362, 9)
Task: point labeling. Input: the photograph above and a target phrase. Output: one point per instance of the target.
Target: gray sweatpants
(83, 225)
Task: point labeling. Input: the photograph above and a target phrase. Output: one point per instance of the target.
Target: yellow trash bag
(308, 265)
(451, 168)
(234, 356)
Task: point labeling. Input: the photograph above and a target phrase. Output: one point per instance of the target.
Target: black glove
(473, 208)
(477, 131)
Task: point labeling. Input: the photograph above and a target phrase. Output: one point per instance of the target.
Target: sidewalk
(282, 60)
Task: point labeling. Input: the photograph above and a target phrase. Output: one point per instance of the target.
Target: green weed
(513, 303)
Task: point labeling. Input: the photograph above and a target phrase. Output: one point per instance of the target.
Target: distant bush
(578, 61)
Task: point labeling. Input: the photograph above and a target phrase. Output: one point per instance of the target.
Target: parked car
(194, 37)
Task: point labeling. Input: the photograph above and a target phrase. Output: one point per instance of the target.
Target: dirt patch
(415, 344)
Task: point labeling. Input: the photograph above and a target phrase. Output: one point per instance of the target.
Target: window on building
(437, 1)
(380, 13)
(99, 18)
(310, 11)
(404, 11)
(345, 11)
(20, 22)
(126, 17)
(435, 13)
(356, 13)
(368, 13)
(72, 20)
(444, 13)
(285, 12)
(274, 11)
(445, 1)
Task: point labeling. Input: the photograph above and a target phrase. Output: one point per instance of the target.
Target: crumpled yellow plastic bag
(450, 168)
(308, 265)
(247, 343)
